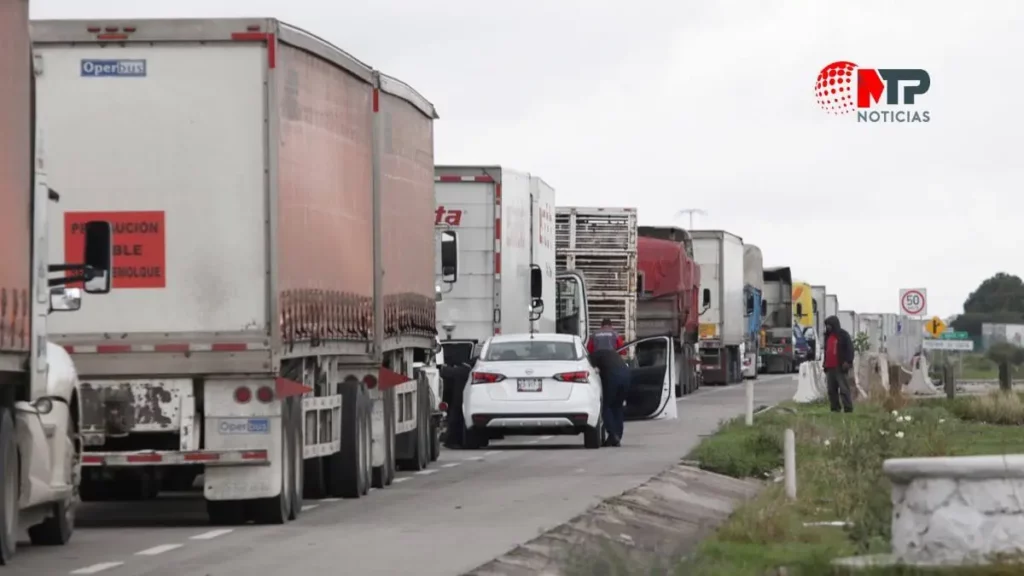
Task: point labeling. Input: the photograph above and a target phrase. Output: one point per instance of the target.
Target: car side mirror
(536, 282)
(98, 257)
(799, 310)
(449, 256)
(63, 299)
(706, 298)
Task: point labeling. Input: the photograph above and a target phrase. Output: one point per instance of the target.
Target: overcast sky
(711, 105)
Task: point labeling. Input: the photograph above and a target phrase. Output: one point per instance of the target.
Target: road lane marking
(474, 459)
(492, 453)
(158, 549)
(426, 472)
(534, 442)
(546, 437)
(97, 568)
(212, 534)
(402, 479)
(329, 500)
(309, 507)
(451, 465)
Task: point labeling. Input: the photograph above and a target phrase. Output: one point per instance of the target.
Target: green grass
(839, 471)
(978, 367)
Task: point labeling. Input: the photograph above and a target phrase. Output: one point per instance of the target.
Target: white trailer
(40, 405)
(831, 305)
(506, 223)
(260, 182)
(600, 245)
(818, 305)
(848, 321)
(723, 323)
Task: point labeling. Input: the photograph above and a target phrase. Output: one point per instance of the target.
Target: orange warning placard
(139, 250)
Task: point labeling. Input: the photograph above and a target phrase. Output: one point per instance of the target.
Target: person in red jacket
(837, 363)
(605, 339)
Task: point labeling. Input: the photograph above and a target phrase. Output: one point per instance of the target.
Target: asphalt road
(466, 509)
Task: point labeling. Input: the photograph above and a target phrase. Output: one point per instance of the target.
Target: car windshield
(530, 350)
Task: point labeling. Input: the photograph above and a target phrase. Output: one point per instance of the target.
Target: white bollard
(750, 402)
(789, 458)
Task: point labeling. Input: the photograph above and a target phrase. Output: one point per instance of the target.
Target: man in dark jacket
(837, 363)
(615, 378)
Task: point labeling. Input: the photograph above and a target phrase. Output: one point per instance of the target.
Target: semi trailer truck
(273, 281)
(780, 322)
(753, 293)
(40, 401)
(722, 324)
(668, 303)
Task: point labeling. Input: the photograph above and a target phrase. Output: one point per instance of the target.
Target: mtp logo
(843, 87)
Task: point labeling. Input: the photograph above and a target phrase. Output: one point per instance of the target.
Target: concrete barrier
(651, 527)
(810, 383)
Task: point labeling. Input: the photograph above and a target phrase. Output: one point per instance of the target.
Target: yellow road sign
(935, 327)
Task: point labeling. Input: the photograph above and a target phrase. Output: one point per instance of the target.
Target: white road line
(158, 549)
(426, 472)
(212, 534)
(492, 453)
(451, 465)
(534, 442)
(329, 500)
(402, 479)
(474, 459)
(546, 437)
(309, 507)
(97, 568)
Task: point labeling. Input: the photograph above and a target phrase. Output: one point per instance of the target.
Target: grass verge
(839, 471)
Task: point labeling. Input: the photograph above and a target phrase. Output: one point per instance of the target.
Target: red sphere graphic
(834, 88)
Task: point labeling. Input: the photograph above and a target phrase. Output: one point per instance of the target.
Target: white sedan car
(533, 384)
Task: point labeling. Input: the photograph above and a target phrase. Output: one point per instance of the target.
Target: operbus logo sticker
(843, 87)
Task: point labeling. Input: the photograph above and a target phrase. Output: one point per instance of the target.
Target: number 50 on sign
(913, 301)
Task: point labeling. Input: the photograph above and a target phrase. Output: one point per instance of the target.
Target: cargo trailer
(722, 325)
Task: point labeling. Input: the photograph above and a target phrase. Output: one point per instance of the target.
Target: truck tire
(9, 489)
(435, 440)
(380, 477)
(298, 461)
(423, 422)
(57, 529)
(278, 509)
(367, 451)
(347, 470)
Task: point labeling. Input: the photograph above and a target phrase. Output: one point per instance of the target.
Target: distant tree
(997, 300)
(1006, 355)
(1000, 293)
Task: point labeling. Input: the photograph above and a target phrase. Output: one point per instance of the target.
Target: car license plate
(529, 385)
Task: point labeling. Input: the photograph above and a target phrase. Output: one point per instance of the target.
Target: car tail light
(265, 394)
(443, 406)
(243, 395)
(487, 377)
(579, 377)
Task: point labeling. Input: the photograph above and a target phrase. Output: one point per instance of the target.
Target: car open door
(652, 389)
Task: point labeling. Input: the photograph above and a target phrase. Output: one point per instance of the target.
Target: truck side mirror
(750, 305)
(536, 282)
(705, 300)
(99, 256)
(814, 306)
(63, 299)
(764, 308)
(449, 256)
(799, 310)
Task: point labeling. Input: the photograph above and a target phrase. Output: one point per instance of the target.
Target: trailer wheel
(346, 470)
(435, 440)
(380, 477)
(57, 529)
(9, 479)
(423, 420)
(298, 461)
(367, 451)
(277, 509)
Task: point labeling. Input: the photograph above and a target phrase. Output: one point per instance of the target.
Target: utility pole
(691, 212)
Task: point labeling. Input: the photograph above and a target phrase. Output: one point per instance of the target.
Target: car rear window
(531, 350)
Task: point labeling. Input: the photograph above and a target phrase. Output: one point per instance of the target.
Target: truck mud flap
(116, 409)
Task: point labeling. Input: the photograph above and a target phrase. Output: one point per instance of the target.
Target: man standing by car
(455, 378)
(615, 378)
(837, 363)
(605, 339)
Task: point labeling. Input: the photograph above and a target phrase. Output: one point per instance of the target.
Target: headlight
(44, 405)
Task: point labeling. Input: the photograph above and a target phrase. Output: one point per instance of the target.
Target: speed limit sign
(913, 301)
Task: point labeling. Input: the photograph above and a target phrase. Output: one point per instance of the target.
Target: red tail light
(243, 395)
(443, 406)
(487, 378)
(265, 394)
(578, 377)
